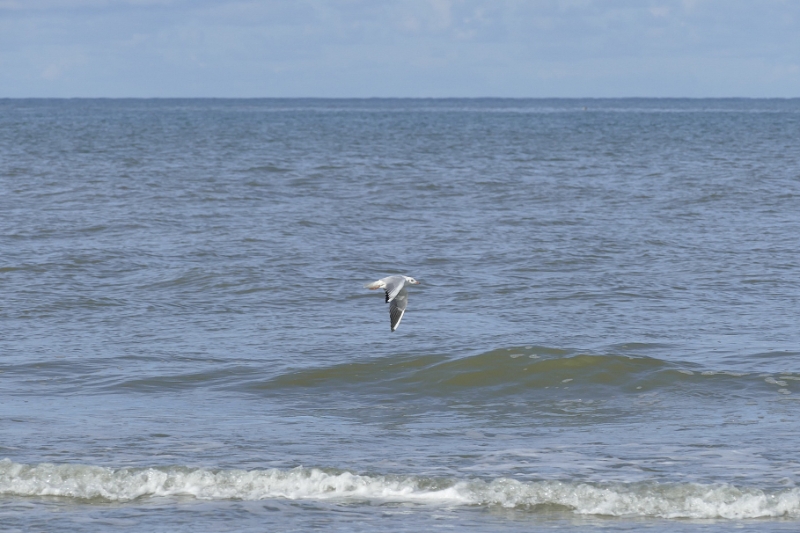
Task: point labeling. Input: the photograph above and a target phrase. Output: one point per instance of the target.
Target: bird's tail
(374, 285)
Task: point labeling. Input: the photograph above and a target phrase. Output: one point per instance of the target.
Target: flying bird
(396, 295)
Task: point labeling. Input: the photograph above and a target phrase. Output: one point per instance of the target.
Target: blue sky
(413, 48)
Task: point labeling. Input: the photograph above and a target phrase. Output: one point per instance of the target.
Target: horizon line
(399, 97)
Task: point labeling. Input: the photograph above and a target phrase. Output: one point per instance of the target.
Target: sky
(400, 48)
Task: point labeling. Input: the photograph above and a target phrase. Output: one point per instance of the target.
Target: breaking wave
(89, 484)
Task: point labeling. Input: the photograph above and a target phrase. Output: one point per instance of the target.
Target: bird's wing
(393, 285)
(398, 307)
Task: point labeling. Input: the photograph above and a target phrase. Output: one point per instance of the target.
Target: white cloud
(442, 9)
(68, 5)
(63, 65)
(660, 11)
(410, 23)
(389, 48)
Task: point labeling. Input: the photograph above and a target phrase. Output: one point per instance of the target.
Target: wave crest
(509, 371)
(645, 499)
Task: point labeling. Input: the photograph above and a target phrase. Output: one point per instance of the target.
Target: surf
(88, 484)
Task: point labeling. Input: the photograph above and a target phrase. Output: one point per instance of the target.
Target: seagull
(396, 294)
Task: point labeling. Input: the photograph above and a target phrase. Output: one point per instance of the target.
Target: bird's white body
(396, 295)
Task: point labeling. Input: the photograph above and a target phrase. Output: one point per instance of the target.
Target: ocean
(605, 335)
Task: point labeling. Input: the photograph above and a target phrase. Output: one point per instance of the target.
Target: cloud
(660, 11)
(389, 48)
(71, 5)
(442, 9)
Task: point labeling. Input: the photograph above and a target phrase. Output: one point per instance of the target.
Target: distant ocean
(605, 335)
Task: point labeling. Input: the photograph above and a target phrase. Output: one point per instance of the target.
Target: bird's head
(412, 281)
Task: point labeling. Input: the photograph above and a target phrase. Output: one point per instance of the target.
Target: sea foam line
(647, 499)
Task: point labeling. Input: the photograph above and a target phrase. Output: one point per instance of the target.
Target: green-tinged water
(605, 334)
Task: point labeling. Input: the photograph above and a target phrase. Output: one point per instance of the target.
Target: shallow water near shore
(605, 335)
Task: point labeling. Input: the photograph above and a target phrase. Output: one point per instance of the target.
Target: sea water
(605, 335)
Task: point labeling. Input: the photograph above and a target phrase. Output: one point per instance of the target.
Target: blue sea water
(605, 335)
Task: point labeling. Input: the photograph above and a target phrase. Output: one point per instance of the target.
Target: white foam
(125, 484)
(682, 500)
